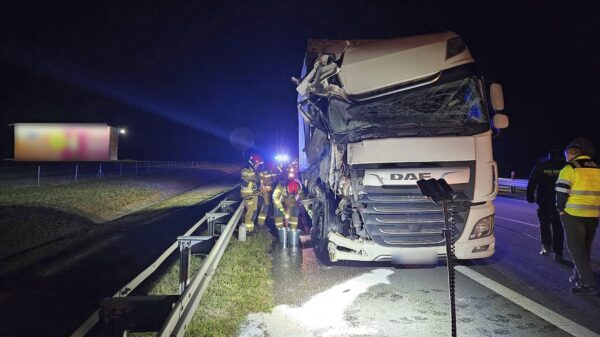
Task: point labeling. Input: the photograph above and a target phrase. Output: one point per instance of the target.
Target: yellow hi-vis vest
(581, 180)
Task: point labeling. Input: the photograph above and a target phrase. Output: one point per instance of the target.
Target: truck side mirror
(497, 97)
(500, 121)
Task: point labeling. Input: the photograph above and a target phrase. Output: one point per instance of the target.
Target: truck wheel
(326, 221)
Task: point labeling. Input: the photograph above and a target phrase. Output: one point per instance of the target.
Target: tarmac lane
(53, 296)
(518, 265)
(514, 293)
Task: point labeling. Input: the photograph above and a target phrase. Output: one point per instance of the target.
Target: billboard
(62, 142)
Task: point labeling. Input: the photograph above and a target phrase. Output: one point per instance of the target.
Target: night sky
(180, 76)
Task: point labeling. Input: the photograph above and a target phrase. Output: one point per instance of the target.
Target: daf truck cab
(375, 116)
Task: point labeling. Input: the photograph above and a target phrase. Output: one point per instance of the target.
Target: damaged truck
(375, 116)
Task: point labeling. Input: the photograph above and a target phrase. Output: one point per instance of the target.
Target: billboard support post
(39, 173)
(76, 171)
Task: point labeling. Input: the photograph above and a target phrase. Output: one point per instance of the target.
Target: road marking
(515, 231)
(539, 310)
(511, 199)
(518, 221)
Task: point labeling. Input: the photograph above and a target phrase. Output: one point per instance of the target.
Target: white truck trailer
(375, 116)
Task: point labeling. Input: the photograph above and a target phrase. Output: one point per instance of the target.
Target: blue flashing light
(282, 158)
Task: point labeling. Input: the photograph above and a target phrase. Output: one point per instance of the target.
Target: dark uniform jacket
(542, 180)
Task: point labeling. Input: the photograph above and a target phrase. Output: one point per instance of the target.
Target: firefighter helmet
(293, 186)
(255, 159)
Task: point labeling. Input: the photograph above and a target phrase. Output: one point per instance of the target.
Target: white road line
(512, 199)
(518, 221)
(512, 230)
(539, 310)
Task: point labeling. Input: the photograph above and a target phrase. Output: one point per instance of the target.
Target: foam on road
(322, 315)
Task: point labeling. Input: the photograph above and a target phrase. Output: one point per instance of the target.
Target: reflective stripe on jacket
(266, 180)
(578, 188)
(282, 199)
(249, 182)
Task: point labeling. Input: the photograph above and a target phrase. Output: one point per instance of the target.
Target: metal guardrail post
(121, 315)
(223, 205)
(211, 219)
(93, 319)
(185, 255)
(181, 315)
(186, 245)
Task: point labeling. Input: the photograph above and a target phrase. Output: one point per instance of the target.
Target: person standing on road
(540, 189)
(249, 190)
(267, 179)
(287, 199)
(578, 203)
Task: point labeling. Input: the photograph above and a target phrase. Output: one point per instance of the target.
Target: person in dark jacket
(540, 189)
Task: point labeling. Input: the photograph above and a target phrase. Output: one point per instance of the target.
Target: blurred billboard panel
(62, 142)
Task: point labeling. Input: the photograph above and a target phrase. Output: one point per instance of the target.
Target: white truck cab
(375, 116)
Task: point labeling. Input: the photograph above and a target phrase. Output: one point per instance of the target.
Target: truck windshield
(453, 108)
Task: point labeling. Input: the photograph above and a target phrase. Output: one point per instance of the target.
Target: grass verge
(31, 216)
(242, 284)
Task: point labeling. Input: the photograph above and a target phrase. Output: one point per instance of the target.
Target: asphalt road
(514, 293)
(54, 295)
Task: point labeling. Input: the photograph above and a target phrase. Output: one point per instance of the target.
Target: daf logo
(410, 176)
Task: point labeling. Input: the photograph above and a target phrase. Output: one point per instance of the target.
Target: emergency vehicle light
(282, 158)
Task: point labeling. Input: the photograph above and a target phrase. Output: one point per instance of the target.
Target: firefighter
(281, 171)
(267, 179)
(287, 199)
(293, 170)
(250, 190)
(578, 203)
(540, 189)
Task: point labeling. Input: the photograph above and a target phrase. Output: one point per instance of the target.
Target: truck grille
(402, 217)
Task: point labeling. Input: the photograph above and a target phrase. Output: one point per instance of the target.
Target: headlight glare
(484, 227)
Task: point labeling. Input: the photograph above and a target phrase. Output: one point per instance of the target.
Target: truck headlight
(484, 227)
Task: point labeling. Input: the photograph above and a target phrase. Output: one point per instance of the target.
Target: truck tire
(326, 221)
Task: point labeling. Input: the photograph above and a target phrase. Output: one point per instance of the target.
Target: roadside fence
(16, 174)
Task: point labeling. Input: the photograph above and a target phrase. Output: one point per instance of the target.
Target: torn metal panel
(454, 108)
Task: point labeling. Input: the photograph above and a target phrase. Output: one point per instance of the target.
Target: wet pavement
(383, 301)
(379, 299)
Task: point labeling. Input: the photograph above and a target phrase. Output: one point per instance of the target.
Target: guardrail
(512, 185)
(180, 314)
